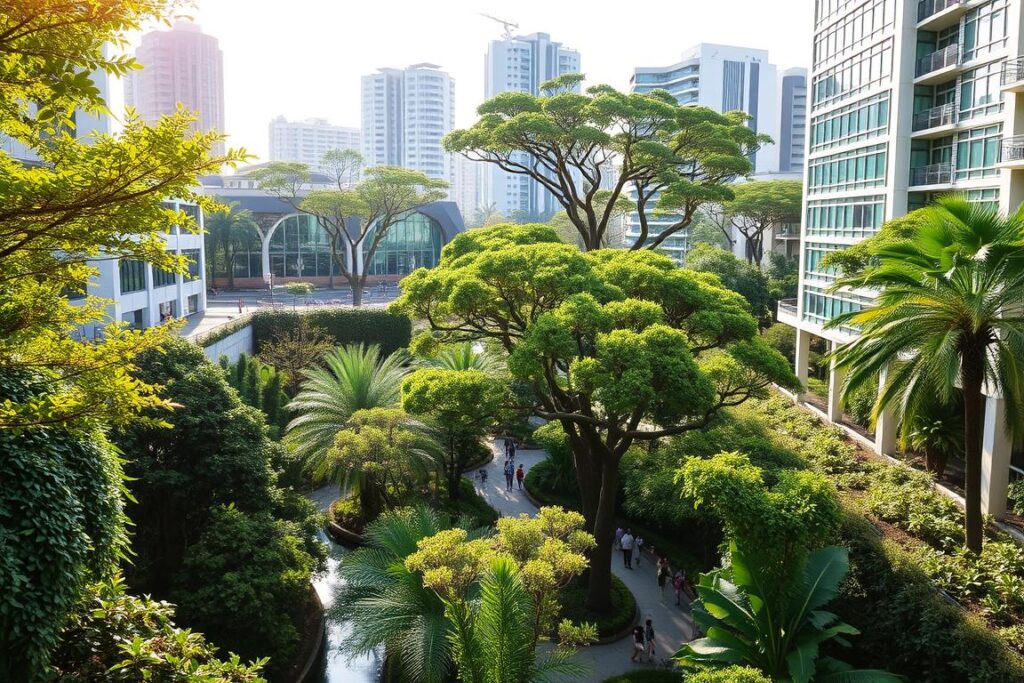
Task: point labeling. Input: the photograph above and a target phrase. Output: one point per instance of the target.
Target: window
(985, 30)
(854, 75)
(194, 264)
(299, 247)
(856, 217)
(858, 28)
(413, 242)
(163, 278)
(979, 91)
(813, 254)
(977, 152)
(853, 123)
(133, 276)
(820, 306)
(852, 170)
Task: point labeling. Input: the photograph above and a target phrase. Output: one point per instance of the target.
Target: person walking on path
(638, 644)
(649, 637)
(519, 477)
(512, 450)
(678, 582)
(618, 538)
(509, 473)
(627, 549)
(664, 572)
(506, 441)
(639, 543)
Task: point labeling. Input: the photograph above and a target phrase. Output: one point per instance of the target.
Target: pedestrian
(506, 442)
(638, 644)
(618, 538)
(239, 306)
(519, 476)
(649, 637)
(678, 581)
(639, 543)
(512, 450)
(664, 572)
(627, 549)
(509, 473)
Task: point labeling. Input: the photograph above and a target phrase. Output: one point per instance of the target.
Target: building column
(803, 355)
(836, 379)
(995, 457)
(885, 426)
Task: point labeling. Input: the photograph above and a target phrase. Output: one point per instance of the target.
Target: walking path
(672, 625)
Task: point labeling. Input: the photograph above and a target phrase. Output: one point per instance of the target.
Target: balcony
(934, 15)
(1012, 152)
(932, 174)
(1013, 75)
(934, 122)
(937, 66)
(787, 312)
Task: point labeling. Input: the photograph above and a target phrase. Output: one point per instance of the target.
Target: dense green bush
(782, 338)
(556, 474)
(1016, 496)
(347, 326)
(906, 498)
(261, 386)
(574, 597)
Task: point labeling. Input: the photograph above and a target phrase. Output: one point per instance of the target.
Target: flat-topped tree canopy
(646, 146)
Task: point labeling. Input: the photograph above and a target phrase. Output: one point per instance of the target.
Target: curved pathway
(672, 625)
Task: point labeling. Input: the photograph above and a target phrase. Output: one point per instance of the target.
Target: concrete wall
(231, 346)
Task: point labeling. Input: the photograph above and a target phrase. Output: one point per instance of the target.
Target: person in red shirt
(519, 477)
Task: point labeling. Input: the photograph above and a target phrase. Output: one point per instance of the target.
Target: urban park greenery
(618, 347)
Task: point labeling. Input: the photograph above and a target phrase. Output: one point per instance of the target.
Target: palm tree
(355, 377)
(947, 316)
(388, 606)
(466, 356)
(230, 230)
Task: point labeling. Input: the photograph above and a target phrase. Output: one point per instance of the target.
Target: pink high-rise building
(182, 65)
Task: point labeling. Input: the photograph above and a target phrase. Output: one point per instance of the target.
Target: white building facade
(522, 64)
(307, 141)
(908, 100)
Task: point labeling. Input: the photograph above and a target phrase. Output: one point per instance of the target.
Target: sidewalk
(672, 624)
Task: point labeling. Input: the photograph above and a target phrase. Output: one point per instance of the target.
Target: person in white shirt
(627, 549)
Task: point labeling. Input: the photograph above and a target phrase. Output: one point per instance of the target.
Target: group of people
(630, 545)
(680, 583)
(643, 642)
(511, 471)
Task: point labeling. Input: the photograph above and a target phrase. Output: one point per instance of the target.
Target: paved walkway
(672, 624)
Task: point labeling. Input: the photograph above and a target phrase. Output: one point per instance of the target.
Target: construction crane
(507, 24)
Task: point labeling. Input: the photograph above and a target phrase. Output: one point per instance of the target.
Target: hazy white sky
(304, 58)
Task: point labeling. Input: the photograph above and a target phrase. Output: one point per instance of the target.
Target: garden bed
(611, 626)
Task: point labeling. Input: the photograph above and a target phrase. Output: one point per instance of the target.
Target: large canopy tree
(759, 205)
(950, 283)
(670, 158)
(229, 232)
(619, 347)
(357, 217)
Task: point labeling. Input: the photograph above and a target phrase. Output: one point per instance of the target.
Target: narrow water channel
(333, 666)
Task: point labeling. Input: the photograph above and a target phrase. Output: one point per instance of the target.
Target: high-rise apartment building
(729, 78)
(522, 64)
(466, 191)
(405, 114)
(180, 66)
(307, 141)
(909, 99)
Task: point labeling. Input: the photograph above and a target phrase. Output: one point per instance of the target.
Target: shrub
(346, 326)
(906, 498)
(1016, 496)
(730, 674)
(782, 338)
(574, 608)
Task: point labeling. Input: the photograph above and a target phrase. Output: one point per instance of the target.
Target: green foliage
(574, 608)
(908, 499)
(293, 350)
(747, 622)
(783, 276)
(259, 385)
(117, 637)
(782, 338)
(61, 525)
(221, 332)
(1016, 496)
(344, 326)
(759, 205)
(246, 584)
(229, 231)
(735, 274)
(729, 674)
(297, 289)
(649, 676)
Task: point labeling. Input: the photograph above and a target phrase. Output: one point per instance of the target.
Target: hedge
(221, 332)
(348, 326)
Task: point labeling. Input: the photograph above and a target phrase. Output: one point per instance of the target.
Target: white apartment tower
(405, 114)
(909, 99)
(522, 64)
(180, 66)
(307, 141)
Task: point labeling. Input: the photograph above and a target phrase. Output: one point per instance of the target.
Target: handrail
(1013, 148)
(927, 8)
(932, 174)
(1013, 70)
(937, 60)
(943, 115)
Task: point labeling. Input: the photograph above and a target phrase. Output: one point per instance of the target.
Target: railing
(788, 306)
(1013, 148)
(1013, 70)
(939, 59)
(926, 8)
(932, 174)
(943, 115)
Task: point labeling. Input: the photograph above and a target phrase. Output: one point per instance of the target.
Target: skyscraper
(182, 65)
(521, 64)
(793, 120)
(307, 141)
(406, 113)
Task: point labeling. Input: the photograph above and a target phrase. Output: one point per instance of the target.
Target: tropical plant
(261, 386)
(229, 231)
(779, 634)
(294, 349)
(944, 319)
(465, 356)
(299, 289)
(937, 430)
(484, 216)
(354, 377)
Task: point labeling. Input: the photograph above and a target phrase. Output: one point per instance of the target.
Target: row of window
(813, 255)
(967, 155)
(826, 9)
(132, 273)
(821, 306)
(854, 75)
(865, 24)
(985, 30)
(853, 123)
(854, 217)
(853, 170)
(979, 90)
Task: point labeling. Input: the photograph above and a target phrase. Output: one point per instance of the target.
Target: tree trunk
(973, 407)
(357, 293)
(231, 270)
(599, 587)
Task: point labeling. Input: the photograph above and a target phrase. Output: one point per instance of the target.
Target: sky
(304, 58)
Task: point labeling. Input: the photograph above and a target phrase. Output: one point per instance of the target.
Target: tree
(618, 347)
(85, 199)
(740, 277)
(615, 234)
(674, 158)
(230, 230)
(487, 215)
(355, 218)
(297, 289)
(937, 430)
(945, 318)
(461, 404)
(759, 205)
(518, 573)
(706, 229)
(294, 349)
(354, 378)
(779, 634)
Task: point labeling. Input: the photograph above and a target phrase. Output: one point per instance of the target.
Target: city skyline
(261, 82)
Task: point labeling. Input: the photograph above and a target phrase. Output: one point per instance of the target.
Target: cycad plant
(947, 316)
(466, 356)
(355, 377)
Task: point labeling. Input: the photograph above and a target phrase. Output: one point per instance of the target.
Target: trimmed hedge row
(348, 326)
(221, 332)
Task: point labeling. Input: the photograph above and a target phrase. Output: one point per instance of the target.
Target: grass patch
(470, 504)
(573, 598)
